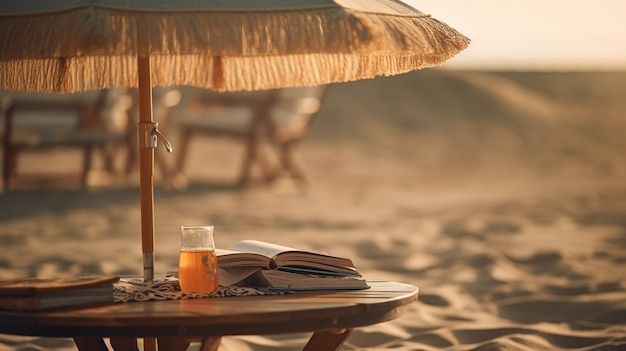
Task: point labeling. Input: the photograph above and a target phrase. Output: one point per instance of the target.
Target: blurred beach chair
(264, 121)
(92, 121)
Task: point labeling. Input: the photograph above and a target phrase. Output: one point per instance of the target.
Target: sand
(500, 195)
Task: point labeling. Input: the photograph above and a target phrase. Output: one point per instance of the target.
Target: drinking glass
(197, 265)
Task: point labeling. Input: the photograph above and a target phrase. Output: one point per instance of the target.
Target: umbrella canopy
(77, 45)
(225, 45)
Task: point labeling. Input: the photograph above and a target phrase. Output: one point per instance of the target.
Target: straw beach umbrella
(67, 46)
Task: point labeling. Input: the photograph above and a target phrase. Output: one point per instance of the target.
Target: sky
(562, 35)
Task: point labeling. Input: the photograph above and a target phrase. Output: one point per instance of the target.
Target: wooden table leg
(173, 344)
(124, 344)
(327, 340)
(90, 343)
(149, 344)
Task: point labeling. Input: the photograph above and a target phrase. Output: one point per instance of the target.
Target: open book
(41, 294)
(261, 263)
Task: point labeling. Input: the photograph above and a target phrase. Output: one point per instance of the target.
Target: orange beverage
(197, 271)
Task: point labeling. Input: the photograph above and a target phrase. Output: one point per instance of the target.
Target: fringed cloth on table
(168, 288)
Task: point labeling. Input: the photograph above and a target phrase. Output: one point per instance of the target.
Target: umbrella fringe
(93, 48)
(238, 73)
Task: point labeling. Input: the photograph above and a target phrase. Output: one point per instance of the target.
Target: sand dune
(501, 195)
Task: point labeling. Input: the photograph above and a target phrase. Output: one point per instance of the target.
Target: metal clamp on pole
(148, 266)
(148, 135)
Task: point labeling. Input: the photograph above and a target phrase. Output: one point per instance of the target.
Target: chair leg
(108, 154)
(9, 159)
(10, 165)
(255, 154)
(132, 156)
(177, 175)
(288, 162)
(268, 172)
(87, 161)
(248, 160)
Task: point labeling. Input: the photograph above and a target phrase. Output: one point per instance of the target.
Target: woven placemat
(168, 288)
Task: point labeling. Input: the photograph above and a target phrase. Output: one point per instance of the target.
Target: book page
(279, 280)
(260, 247)
(282, 256)
(230, 258)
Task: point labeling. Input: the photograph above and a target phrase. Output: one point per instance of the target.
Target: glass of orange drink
(197, 265)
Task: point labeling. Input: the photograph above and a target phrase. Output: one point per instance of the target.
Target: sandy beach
(501, 195)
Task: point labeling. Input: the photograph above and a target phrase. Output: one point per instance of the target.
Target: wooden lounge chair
(90, 122)
(264, 121)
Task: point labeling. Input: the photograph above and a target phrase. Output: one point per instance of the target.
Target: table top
(289, 313)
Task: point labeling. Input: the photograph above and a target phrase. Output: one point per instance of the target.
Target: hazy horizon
(563, 35)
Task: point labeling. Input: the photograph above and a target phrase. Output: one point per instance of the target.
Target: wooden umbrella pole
(147, 143)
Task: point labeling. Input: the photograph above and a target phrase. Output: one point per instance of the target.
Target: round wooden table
(330, 315)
